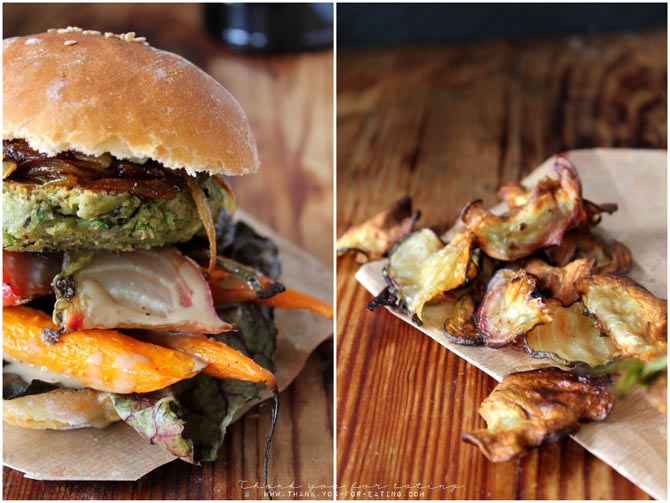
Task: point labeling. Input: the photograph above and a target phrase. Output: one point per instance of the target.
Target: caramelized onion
(153, 189)
(74, 169)
(206, 217)
(48, 169)
(8, 167)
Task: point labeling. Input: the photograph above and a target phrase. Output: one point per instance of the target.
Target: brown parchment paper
(78, 454)
(633, 439)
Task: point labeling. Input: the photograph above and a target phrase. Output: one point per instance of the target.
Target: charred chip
(561, 254)
(376, 236)
(460, 326)
(553, 207)
(594, 211)
(633, 318)
(421, 268)
(610, 257)
(571, 338)
(528, 409)
(559, 282)
(513, 194)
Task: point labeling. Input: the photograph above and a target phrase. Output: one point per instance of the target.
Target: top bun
(74, 90)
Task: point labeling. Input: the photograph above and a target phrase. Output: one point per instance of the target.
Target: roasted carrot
(228, 288)
(223, 361)
(105, 360)
(293, 299)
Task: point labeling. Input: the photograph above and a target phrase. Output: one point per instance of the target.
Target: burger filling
(72, 201)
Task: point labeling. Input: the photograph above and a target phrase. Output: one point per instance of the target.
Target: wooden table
(289, 102)
(447, 125)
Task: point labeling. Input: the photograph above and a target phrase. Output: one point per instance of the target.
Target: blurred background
(366, 25)
(277, 60)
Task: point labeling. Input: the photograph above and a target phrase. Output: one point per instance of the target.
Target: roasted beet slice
(510, 308)
(570, 338)
(553, 207)
(635, 319)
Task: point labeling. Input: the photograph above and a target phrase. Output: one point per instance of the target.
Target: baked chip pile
(534, 278)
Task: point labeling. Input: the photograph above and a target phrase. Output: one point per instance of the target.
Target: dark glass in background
(271, 28)
(364, 25)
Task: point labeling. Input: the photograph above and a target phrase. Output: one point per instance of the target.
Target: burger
(129, 292)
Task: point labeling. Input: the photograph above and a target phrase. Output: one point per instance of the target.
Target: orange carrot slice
(223, 361)
(105, 360)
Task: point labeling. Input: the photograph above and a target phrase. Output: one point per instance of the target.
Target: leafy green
(251, 318)
(157, 417)
(252, 249)
(631, 372)
(189, 419)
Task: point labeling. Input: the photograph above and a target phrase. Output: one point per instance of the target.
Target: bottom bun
(61, 409)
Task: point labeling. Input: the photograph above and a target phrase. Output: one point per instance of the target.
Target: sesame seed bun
(95, 94)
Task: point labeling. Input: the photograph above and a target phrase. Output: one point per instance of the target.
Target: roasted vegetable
(628, 313)
(294, 299)
(223, 362)
(146, 289)
(513, 194)
(205, 214)
(376, 236)
(553, 207)
(610, 257)
(561, 254)
(8, 167)
(528, 409)
(421, 268)
(232, 283)
(460, 326)
(510, 308)
(570, 338)
(594, 211)
(104, 360)
(558, 282)
(26, 276)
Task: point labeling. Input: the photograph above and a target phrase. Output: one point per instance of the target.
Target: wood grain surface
(446, 125)
(289, 102)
